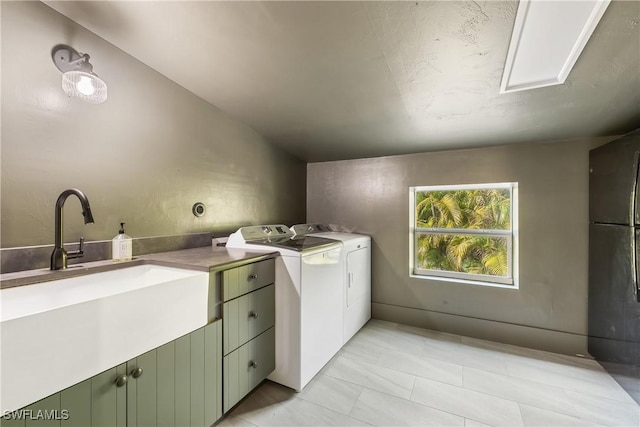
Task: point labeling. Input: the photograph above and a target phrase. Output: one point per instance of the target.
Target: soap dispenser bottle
(121, 246)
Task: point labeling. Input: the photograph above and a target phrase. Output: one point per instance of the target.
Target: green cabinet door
(178, 384)
(213, 372)
(247, 317)
(244, 279)
(96, 402)
(175, 385)
(142, 390)
(108, 401)
(247, 366)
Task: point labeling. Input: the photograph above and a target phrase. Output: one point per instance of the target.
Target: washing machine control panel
(257, 232)
(302, 229)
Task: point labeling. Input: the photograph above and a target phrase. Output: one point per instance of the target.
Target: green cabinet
(248, 316)
(177, 384)
(245, 368)
(95, 402)
(246, 278)
(249, 333)
(180, 383)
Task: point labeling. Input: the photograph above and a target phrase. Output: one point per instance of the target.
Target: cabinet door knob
(253, 314)
(253, 364)
(136, 373)
(121, 380)
(253, 276)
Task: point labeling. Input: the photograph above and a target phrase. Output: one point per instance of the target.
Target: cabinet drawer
(241, 280)
(247, 366)
(247, 317)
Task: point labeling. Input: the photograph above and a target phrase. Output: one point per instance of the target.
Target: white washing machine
(309, 317)
(356, 273)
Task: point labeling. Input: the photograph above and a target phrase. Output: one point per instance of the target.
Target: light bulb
(85, 86)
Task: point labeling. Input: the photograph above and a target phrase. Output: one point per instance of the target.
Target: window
(465, 233)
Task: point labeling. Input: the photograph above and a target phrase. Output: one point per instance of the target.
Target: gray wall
(549, 311)
(143, 157)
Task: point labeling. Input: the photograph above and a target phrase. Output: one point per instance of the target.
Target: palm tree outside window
(465, 233)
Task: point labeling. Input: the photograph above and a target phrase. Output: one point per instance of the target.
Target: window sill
(465, 282)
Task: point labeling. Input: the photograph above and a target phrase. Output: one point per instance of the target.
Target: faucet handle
(79, 253)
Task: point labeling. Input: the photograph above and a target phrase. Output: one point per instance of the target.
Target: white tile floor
(392, 375)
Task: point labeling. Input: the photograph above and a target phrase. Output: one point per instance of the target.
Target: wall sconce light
(78, 78)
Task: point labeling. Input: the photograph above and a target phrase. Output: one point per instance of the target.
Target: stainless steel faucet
(59, 256)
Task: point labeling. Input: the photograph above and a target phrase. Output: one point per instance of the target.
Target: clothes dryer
(356, 274)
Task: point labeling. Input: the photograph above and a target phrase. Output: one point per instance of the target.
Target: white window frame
(511, 281)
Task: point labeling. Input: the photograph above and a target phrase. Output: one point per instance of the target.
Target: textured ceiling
(337, 80)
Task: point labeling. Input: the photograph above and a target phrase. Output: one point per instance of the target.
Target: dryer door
(358, 275)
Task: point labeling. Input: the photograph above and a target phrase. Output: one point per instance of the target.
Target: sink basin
(58, 333)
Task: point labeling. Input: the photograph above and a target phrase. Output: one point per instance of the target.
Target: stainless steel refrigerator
(614, 261)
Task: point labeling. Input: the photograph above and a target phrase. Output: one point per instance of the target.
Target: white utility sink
(58, 333)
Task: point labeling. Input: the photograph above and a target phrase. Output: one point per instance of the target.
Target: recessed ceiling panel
(548, 37)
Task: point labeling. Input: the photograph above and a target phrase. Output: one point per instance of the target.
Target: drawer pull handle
(253, 314)
(253, 364)
(136, 373)
(121, 380)
(253, 276)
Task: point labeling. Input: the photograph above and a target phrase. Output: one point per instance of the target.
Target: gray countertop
(203, 259)
(208, 258)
